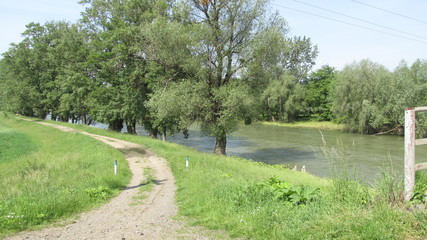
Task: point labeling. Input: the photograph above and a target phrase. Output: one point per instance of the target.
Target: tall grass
(64, 174)
(223, 193)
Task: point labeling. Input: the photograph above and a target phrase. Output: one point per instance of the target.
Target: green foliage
(318, 92)
(284, 98)
(369, 99)
(420, 190)
(296, 195)
(99, 192)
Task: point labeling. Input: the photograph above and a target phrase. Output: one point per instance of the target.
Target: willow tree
(229, 31)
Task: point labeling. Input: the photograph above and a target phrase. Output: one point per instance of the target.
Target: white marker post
(186, 162)
(115, 167)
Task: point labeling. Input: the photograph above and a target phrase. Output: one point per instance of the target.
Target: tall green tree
(278, 73)
(35, 64)
(118, 63)
(75, 81)
(284, 99)
(318, 91)
(228, 44)
(363, 93)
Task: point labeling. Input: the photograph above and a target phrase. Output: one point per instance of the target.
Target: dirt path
(122, 218)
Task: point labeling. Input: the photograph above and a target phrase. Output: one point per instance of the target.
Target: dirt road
(122, 218)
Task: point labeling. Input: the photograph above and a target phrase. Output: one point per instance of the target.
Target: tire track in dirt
(122, 218)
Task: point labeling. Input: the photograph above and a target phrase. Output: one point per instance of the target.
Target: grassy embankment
(49, 175)
(232, 194)
(308, 124)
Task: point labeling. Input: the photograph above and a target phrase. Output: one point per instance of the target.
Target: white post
(409, 153)
(186, 162)
(115, 167)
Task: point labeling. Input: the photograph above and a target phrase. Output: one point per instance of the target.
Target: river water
(363, 155)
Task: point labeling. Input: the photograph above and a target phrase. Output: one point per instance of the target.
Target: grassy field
(48, 175)
(308, 124)
(252, 200)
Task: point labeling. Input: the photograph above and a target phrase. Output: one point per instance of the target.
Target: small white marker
(186, 162)
(115, 167)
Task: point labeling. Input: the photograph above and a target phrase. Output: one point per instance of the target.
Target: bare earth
(123, 217)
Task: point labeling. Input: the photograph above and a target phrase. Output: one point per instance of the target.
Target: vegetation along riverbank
(257, 201)
(308, 124)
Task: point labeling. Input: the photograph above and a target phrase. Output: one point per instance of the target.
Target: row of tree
(166, 64)
(161, 63)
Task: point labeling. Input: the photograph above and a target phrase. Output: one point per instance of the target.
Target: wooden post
(409, 153)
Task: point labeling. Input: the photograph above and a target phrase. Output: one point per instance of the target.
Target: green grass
(146, 186)
(14, 144)
(49, 175)
(308, 124)
(223, 193)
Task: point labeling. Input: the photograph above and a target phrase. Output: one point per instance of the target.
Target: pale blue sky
(339, 44)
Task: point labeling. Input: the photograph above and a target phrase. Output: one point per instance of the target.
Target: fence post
(409, 153)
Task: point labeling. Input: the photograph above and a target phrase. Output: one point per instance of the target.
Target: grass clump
(63, 174)
(146, 186)
(240, 197)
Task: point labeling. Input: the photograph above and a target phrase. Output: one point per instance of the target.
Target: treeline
(166, 64)
(163, 64)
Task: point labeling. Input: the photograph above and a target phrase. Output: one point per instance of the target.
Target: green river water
(366, 156)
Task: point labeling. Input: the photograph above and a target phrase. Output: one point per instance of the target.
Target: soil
(124, 217)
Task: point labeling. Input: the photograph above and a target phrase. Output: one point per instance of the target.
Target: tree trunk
(164, 138)
(116, 125)
(63, 118)
(153, 133)
(131, 126)
(220, 144)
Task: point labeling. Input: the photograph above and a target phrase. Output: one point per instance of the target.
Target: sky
(386, 31)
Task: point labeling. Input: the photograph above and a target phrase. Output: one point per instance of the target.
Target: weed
(146, 185)
(287, 193)
(98, 192)
(420, 190)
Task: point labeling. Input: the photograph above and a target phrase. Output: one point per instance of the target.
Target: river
(365, 156)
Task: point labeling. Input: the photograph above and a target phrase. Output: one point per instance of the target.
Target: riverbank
(253, 200)
(248, 199)
(308, 124)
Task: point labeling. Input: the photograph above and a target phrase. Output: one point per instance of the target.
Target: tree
(278, 73)
(36, 64)
(284, 99)
(229, 29)
(363, 93)
(119, 65)
(75, 79)
(318, 93)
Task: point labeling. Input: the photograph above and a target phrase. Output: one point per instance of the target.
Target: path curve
(121, 218)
